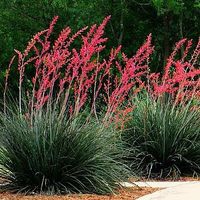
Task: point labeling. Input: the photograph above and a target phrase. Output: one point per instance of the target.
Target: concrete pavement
(182, 191)
(157, 184)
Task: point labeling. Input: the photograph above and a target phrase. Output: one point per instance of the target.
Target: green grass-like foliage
(164, 139)
(59, 156)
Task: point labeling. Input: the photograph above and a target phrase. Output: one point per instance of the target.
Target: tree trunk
(121, 34)
(166, 22)
(181, 30)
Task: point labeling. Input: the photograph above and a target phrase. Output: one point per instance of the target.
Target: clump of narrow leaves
(51, 155)
(164, 139)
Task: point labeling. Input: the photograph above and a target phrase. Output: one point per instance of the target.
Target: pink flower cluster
(71, 78)
(181, 77)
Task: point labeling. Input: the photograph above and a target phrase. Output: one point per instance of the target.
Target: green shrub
(164, 139)
(59, 156)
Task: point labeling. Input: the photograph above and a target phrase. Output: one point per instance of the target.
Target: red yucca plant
(72, 78)
(180, 78)
(48, 153)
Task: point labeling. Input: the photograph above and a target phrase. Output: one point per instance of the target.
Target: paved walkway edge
(187, 191)
(157, 184)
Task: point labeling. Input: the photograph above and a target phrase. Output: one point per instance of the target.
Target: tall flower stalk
(70, 79)
(181, 77)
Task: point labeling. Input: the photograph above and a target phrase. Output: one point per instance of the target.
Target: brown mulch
(124, 194)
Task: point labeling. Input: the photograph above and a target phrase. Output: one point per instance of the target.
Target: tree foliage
(131, 22)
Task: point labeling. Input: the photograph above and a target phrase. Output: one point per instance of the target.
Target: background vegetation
(131, 22)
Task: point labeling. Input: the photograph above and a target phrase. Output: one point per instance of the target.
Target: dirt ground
(124, 194)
